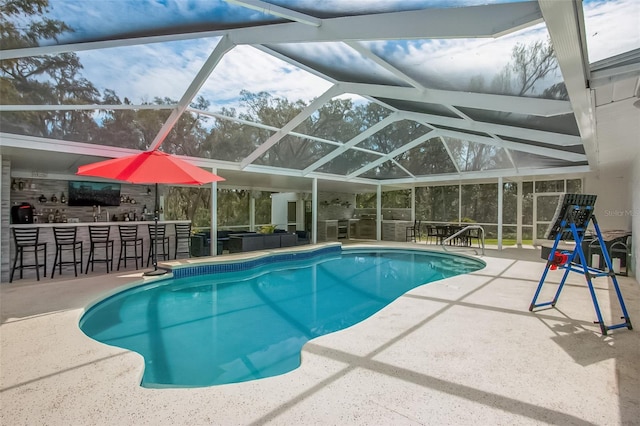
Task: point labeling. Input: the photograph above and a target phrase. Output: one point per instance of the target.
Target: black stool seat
(26, 241)
(183, 239)
(158, 232)
(66, 242)
(99, 239)
(129, 240)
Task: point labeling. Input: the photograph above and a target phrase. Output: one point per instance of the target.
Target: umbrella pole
(156, 213)
(154, 257)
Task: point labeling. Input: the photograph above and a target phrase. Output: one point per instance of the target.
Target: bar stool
(158, 232)
(129, 239)
(65, 242)
(183, 235)
(26, 240)
(99, 239)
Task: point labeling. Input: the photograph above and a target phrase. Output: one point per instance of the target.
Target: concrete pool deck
(464, 350)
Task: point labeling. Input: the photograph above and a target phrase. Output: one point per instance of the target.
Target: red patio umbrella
(150, 167)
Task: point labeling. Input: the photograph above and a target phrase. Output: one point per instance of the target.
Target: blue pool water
(237, 326)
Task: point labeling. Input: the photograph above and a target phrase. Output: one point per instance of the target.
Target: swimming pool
(250, 320)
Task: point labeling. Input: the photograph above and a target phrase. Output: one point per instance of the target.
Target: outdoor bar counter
(46, 236)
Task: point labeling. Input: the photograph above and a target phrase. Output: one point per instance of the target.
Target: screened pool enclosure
(448, 101)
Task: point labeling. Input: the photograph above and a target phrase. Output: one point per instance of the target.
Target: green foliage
(400, 199)
(435, 203)
(366, 200)
(267, 229)
(263, 208)
(233, 207)
(189, 202)
(16, 35)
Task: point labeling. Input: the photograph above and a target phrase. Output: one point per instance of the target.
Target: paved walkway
(462, 351)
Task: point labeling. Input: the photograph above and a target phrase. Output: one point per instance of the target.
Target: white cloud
(612, 27)
(377, 6)
(247, 68)
(95, 19)
(144, 72)
(451, 63)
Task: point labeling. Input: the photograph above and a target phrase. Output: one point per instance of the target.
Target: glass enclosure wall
(534, 201)
(438, 204)
(527, 207)
(263, 207)
(234, 207)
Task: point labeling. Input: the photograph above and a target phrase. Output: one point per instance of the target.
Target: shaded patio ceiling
(446, 69)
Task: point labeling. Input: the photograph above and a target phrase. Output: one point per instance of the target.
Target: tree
(437, 203)
(118, 126)
(20, 36)
(277, 112)
(192, 203)
(42, 79)
(531, 64)
(188, 136)
(431, 157)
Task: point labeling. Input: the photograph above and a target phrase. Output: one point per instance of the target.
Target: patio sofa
(239, 243)
(242, 241)
(200, 242)
(304, 237)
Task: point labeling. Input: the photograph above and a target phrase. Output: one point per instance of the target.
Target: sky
(143, 72)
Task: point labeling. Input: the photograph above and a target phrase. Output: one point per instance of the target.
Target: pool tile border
(237, 265)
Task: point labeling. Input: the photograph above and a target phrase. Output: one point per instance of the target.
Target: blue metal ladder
(574, 224)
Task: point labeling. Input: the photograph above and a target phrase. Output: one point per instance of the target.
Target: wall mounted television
(83, 193)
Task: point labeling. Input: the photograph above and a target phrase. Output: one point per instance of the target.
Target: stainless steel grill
(343, 228)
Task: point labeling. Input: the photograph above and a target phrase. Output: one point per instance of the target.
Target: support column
(252, 213)
(500, 199)
(459, 202)
(413, 203)
(519, 215)
(213, 246)
(314, 211)
(379, 213)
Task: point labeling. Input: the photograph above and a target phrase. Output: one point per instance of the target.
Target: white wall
(614, 203)
(634, 191)
(279, 204)
(335, 205)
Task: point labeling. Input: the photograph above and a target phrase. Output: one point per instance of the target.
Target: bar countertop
(65, 224)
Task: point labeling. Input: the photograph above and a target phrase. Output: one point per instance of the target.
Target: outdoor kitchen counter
(395, 230)
(329, 230)
(46, 236)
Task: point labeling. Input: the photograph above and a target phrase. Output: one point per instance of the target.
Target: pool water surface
(246, 325)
